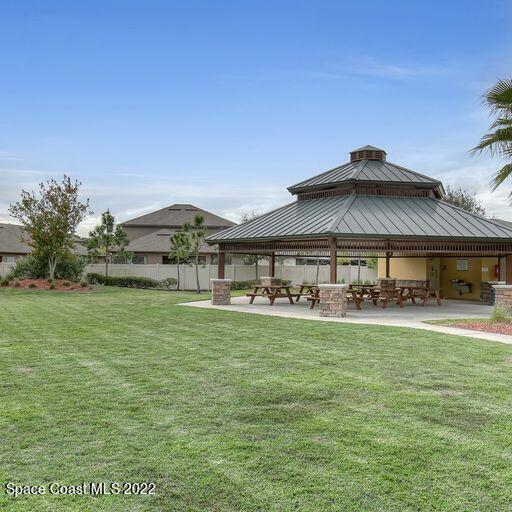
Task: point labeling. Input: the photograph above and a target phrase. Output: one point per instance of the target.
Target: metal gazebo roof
(357, 216)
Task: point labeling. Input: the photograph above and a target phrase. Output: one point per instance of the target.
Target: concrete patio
(413, 316)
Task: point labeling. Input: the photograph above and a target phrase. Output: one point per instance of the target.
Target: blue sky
(224, 104)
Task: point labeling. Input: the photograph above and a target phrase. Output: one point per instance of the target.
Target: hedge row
(244, 285)
(126, 282)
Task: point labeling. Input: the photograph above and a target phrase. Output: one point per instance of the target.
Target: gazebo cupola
(368, 173)
(367, 153)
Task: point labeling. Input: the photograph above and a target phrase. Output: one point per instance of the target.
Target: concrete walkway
(412, 316)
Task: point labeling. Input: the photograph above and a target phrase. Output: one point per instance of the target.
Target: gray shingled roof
(176, 215)
(368, 216)
(13, 239)
(376, 171)
(158, 241)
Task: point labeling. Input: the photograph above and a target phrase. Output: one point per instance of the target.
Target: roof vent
(367, 153)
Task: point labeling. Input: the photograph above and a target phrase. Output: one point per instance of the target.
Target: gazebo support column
(272, 265)
(508, 268)
(388, 264)
(333, 261)
(221, 266)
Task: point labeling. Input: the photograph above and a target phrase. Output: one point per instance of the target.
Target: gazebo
(368, 207)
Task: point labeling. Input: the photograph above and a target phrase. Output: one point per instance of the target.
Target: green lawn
(233, 412)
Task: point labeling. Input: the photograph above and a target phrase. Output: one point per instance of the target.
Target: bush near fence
(297, 274)
(125, 282)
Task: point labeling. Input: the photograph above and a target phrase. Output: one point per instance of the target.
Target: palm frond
(498, 142)
(504, 173)
(499, 96)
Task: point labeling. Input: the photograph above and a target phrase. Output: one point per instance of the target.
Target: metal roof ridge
(479, 217)
(356, 174)
(336, 222)
(401, 167)
(292, 187)
(236, 226)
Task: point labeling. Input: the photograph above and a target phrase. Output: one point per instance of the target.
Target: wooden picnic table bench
(424, 293)
(272, 292)
(306, 290)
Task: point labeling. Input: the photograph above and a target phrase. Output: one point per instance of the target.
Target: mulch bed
(42, 284)
(498, 328)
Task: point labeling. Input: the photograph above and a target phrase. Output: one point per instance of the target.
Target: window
(10, 260)
(140, 259)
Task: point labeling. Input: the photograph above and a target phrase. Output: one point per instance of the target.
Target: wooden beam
(333, 261)
(508, 268)
(272, 265)
(221, 268)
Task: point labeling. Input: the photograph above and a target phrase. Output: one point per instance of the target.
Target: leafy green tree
(499, 140)
(465, 200)
(180, 250)
(196, 233)
(107, 239)
(51, 219)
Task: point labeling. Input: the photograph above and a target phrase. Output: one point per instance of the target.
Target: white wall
(297, 274)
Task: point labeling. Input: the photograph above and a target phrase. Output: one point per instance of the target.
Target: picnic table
(424, 293)
(361, 292)
(307, 290)
(272, 292)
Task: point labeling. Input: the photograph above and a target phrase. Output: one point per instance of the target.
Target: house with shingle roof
(149, 234)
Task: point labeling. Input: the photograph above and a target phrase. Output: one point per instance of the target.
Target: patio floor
(411, 315)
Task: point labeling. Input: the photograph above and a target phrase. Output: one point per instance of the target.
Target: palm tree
(180, 250)
(499, 141)
(197, 233)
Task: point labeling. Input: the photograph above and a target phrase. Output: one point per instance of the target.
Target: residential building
(149, 234)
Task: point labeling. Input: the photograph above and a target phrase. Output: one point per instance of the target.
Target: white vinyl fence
(297, 274)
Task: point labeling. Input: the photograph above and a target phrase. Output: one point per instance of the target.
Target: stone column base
(221, 292)
(333, 299)
(503, 296)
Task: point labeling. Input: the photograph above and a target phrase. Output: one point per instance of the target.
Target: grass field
(232, 412)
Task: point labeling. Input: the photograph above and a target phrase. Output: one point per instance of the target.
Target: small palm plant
(499, 141)
(197, 233)
(180, 250)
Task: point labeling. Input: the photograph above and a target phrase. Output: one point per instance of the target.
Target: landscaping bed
(477, 324)
(61, 285)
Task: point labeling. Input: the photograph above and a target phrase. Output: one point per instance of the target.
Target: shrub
(500, 315)
(4, 281)
(84, 284)
(32, 285)
(125, 282)
(243, 285)
(66, 284)
(35, 267)
(17, 283)
(169, 283)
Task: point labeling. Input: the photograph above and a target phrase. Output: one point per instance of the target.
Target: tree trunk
(197, 273)
(52, 263)
(106, 260)
(317, 270)
(178, 269)
(256, 268)
(359, 270)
